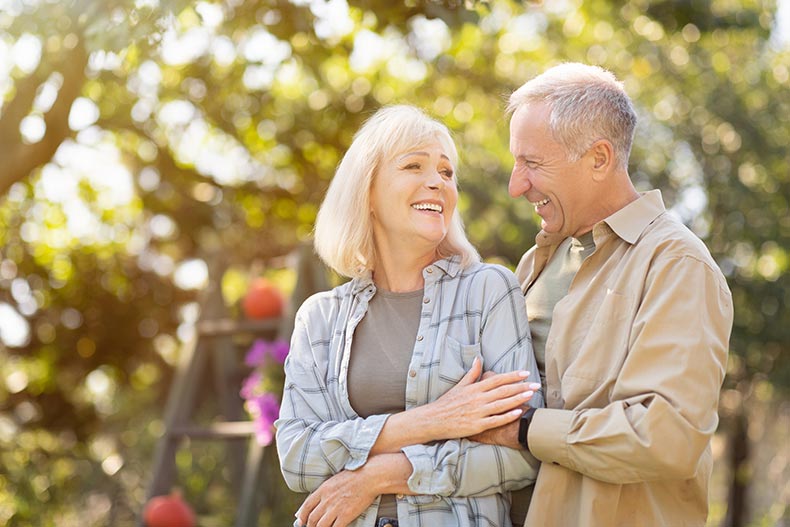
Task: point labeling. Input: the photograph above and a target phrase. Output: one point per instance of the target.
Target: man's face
(559, 189)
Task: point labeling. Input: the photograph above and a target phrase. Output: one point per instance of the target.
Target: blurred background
(149, 148)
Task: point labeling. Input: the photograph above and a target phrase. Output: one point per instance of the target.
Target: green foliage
(228, 141)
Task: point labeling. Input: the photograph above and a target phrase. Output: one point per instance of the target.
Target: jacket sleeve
(314, 438)
(664, 400)
(464, 468)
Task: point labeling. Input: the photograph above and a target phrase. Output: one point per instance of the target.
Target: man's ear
(602, 159)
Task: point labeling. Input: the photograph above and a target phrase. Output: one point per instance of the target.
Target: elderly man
(630, 318)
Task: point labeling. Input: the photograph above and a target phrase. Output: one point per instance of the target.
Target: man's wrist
(523, 427)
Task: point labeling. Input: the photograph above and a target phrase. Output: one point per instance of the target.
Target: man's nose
(518, 184)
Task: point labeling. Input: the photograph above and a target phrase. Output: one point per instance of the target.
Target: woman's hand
(343, 497)
(470, 407)
(338, 501)
(473, 406)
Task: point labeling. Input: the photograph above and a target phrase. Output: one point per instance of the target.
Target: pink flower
(248, 387)
(265, 409)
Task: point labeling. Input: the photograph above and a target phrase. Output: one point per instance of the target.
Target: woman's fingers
(507, 404)
(473, 374)
(495, 421)
(316, 515)
(307, 507)
(501, 379)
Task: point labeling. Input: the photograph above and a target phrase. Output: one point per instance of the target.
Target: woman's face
(413, 197)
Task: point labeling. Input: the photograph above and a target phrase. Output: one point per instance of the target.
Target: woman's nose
(435, 181)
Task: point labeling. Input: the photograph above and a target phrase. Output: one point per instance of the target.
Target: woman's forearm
(388, 473)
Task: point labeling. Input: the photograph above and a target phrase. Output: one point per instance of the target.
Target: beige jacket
(635, 359)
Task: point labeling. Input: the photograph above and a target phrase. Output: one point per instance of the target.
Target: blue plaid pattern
(478, 311)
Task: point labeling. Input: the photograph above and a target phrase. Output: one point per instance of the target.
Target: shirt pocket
(455, 359)
(602, 350)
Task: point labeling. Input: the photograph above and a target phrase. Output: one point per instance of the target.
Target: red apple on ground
(168, 511)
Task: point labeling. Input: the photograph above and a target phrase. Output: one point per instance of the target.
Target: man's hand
(504, 436)
(338, 501)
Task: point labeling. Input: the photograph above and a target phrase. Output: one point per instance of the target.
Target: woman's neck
(401, 272)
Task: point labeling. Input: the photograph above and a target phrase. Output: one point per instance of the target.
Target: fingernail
(517, 411)
(523, 374)
(534, 386)
(527, 394)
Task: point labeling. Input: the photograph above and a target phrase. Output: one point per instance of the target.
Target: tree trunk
(741, 474)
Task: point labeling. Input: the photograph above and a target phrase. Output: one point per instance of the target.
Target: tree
(225, 119)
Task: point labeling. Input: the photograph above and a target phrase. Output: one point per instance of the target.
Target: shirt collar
(628, 223)
(631, 221)
(450, 266)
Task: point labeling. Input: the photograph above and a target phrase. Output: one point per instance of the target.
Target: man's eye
(531, 164)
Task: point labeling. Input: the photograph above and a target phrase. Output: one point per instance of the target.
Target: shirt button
(426, 300)
(399, 496)
(429, 270)
(387, 525)
(412, 373)
(419, 338)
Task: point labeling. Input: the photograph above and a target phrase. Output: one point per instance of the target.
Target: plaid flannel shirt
(478, 311)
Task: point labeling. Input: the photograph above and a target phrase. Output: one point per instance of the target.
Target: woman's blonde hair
(343, 230)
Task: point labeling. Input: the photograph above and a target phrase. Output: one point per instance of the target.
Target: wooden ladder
(214, 352)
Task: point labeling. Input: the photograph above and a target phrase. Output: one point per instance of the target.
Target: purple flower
(257, 353)
(265, 409)
(278, 351)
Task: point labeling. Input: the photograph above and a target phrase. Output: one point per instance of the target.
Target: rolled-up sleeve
(464, 468)
(664, 400)
(314, 440)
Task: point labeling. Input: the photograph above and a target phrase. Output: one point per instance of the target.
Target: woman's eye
(447, 173)
(412, 166)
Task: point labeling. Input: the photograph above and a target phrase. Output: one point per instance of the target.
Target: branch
(21, 159)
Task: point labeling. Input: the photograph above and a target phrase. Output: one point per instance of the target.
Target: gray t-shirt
(379, 362)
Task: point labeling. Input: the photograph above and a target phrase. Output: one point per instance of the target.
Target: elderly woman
(382, 379)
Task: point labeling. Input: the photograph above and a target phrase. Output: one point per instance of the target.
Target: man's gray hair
(587, 104)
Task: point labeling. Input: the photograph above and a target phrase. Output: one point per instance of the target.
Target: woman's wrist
(387, 474)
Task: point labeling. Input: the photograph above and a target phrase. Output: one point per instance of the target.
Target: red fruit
(168, 511)
(263, 300)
